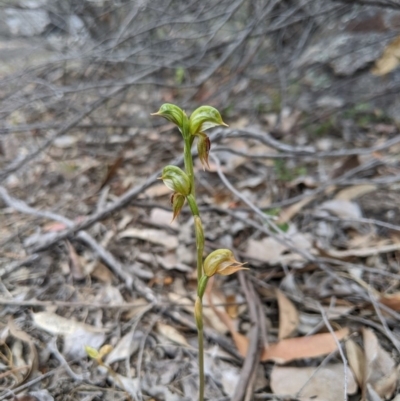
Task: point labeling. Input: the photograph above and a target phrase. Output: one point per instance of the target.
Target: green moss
(284, 173)
(364, 115)
(276, 102)
(273, 212)
(227, 111)
(179, 75)
(324, 128)
(284, 227)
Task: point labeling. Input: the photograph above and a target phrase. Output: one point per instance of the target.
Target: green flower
(203, 118)
(172, 113)
(176, 180)
(221, 262)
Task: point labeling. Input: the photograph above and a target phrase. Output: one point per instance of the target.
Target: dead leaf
(342, 208)
(251, 182)
(19, 367)
(291, 211)
(162, 217)
(125, 347)
(211, 315)
(102, 273)
(184, 302)
(110, 295)
(357, 240)
(172, 334)
(169, 261)
(389, 60)
(77, 335)
(303, 347)
(315, 384)
(285, 350)
(266, 249)
(75, 343)
(54, 226)
(289, 119)
(288, 316)
(158, 237)
(65, 141)
(111, 171)
(75, 263)
(231, 308)
(356, 359)
(305, 180)
(38, 395)
(123, 223)
(371, 394)
(229, 378)
(241, 341)
(229, 161)
(345, 165)
(156, 191)
(381, 371)
(32, 357)
(391, 300)
(270, 250)
(129, 384)
(137, 308)
(57, 325)
(361, 252)
(355, 192)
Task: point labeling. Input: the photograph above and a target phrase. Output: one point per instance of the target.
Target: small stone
(330, 102)
(324, 144)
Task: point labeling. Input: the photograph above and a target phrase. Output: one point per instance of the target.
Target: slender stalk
(199, 263)
(200, 247)
(199, 236)
(188, 160)
(201, 362)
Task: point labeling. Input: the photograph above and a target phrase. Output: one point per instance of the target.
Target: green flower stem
(193, 205)
(201, 287)
(188, 160)
(201, 362)
(199, 241)
(191, 199)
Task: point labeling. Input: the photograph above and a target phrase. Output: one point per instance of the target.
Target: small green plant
(364, 115)
(324, 129)
(179, 75)
(182, 184)
(284, 173)
(284, 227)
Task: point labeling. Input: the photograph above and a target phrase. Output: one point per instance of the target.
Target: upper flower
(172, 113)
(203, 118)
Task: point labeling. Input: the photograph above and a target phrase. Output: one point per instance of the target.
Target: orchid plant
(182, 184)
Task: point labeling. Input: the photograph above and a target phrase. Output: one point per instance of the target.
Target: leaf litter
(72, 294)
